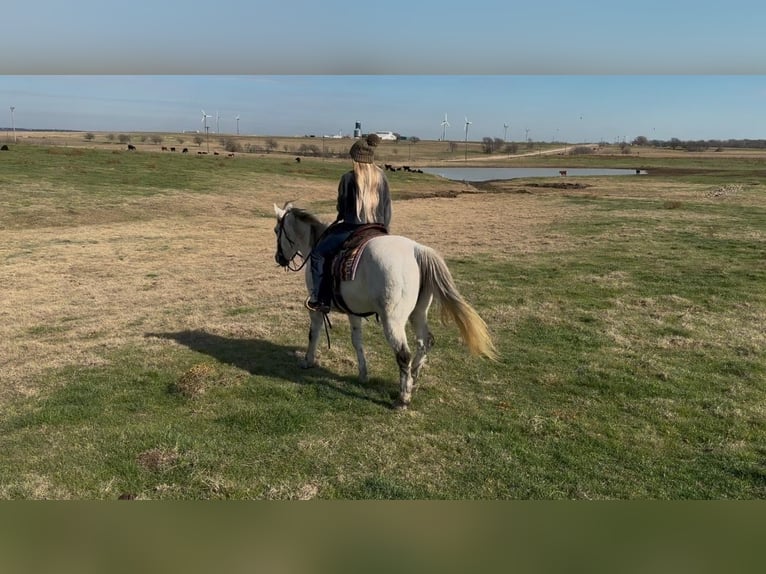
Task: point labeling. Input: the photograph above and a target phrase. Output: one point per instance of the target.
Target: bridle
(280, 257)
(283, 261)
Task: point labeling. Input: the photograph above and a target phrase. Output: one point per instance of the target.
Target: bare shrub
(232, 145)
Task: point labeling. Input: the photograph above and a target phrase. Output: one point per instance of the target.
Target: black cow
(131, 147)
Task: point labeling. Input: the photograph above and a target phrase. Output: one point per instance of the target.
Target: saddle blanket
(346, 261)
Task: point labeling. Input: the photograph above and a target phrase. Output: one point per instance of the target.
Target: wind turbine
(445, 125)
(204, 121)
(467, 123)
(217, 123)
(505, 133)
(13, 126)
(237, 118)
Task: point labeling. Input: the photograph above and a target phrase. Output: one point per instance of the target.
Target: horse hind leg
(423, 337)
(397, 339)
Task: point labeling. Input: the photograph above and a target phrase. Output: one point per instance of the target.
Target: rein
(281, 233)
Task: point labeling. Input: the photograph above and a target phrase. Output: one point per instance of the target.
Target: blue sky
(576, 71)
(564, 108)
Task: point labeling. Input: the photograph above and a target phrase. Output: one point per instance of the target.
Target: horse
(397, 279)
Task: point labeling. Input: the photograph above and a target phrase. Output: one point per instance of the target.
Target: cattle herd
(131, 147)
(389, 167)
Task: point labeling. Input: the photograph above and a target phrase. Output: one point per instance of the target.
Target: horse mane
(304, 216)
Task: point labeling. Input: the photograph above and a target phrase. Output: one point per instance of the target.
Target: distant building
(386, 135)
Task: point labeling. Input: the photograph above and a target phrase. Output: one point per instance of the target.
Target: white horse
(397, 279)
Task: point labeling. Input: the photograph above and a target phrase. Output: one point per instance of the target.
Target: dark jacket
(347, 192)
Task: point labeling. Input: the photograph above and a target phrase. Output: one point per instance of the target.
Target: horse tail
(436, 278)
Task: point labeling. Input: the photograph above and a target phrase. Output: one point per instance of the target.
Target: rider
(363, 197)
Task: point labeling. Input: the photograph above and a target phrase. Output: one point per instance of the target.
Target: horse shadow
(264, 358)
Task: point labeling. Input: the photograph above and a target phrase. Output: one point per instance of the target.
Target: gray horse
(397, 279)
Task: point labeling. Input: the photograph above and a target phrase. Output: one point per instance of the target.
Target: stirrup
(316, 306)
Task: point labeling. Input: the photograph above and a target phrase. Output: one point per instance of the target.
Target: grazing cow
(562, 172)
(297, 160)
(185, 150)
(231, 155)
(4, 148)
(215, 153)
(172, 149)
(638, 172)
(164, 148)
(131, 147)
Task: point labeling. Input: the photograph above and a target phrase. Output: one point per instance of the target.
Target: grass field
(151, 344)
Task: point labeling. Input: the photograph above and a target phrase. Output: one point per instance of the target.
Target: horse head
(287, 249)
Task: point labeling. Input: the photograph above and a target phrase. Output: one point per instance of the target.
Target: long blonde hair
(369, 178)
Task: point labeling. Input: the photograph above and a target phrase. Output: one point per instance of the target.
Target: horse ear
(278, 211)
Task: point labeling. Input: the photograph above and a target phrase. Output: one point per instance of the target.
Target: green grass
(632, 367)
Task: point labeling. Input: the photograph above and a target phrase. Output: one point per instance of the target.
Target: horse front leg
(356, 340)
(315, 330)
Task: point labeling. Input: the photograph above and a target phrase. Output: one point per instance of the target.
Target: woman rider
(363, 197)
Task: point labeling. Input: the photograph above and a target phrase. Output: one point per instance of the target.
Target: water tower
(358, 129)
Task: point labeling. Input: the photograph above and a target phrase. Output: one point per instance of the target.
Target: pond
(490, 173)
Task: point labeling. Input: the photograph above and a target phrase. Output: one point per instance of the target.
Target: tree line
(701, 145)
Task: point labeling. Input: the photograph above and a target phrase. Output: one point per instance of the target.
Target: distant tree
(271, 144)
(675, 143)
(89, 137)
(309, 149)
(110, 137)
(156, 139)
(487, 145)
(123, 138)
(143, 138)
(511, 148)
(180, 140)
(198, 140)
(641, 140)
(414, 139)
(452, 146)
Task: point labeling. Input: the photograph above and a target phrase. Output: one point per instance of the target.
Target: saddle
(344, 263)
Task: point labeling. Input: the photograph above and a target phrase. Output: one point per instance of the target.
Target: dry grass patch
(195, 381)
(158, 459)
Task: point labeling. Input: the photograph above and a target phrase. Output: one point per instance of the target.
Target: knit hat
(363, 150)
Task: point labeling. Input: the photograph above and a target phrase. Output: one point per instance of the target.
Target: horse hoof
(400, 406)
(306, 365)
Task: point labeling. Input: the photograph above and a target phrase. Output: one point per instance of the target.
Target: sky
(591, 70)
